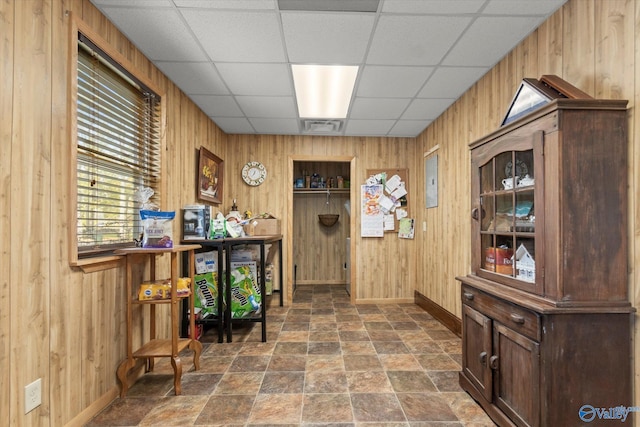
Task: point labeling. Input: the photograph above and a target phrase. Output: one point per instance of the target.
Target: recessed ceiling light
(324, 91)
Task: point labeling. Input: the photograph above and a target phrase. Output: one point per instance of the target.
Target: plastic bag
(157, 229)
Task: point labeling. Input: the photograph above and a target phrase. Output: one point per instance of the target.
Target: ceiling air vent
(321, 126)
(330, 5)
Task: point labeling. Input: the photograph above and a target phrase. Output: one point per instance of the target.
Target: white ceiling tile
(218, 106)
(173, 43)
(227, 4)
(267, 106)
(194, 77)
(432, 6)
(391, 82)
(451, 82)
(415, 56)
(378, 108)
(234, 124)
(279, 126)
(368, 127)
(522, 7)
(257, 79)
(242, 36)
(327, 38)
(414, 40)
(426, 109)
(409, 128)
(489, 39)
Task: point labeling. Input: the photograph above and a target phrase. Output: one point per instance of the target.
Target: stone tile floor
(325, 363)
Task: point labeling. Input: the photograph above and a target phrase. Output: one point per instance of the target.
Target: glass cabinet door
(507, 220)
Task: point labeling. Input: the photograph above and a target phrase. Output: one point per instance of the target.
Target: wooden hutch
(545, 311)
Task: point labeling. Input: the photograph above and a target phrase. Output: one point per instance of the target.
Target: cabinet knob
(483, 358)
(493, 363)
(516, 318)
(468, 296)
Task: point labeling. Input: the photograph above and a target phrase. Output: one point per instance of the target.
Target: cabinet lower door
(516, 376)
(477, 349)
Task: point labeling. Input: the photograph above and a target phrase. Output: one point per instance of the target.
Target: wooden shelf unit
(158, 347)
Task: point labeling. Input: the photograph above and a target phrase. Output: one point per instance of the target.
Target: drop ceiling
(416, 57)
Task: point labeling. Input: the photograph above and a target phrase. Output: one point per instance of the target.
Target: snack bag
(182, 287)
(154, 290)
(157, 229)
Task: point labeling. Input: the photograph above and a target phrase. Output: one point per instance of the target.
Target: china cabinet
(545, 311)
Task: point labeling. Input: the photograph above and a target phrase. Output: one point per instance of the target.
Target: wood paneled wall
(379, 272)
(67, 327)
(593, 44)
(56, 322)
(319, 252)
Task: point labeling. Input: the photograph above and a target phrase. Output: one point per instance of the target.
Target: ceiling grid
(416, 57)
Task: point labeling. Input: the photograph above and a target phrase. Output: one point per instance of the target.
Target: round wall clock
(254, 173)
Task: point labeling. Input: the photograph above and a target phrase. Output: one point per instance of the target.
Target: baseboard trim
(94, 409)
(105, 400)
(382, 301)
(445, 317)
(320, 282)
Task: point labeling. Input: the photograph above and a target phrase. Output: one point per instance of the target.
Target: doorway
(318, 248)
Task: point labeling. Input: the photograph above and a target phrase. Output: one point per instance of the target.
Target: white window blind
(118, 152)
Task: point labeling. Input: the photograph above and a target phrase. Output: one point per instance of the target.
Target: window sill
(92, 265)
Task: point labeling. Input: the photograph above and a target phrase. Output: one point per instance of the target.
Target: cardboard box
(263, 227)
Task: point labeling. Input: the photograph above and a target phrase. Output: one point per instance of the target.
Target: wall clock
(254, 173)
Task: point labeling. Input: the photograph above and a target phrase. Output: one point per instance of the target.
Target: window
(118, 151)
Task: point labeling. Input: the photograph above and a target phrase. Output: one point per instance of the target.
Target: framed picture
(210, 174)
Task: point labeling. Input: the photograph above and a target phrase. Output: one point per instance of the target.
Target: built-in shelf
(320, 190)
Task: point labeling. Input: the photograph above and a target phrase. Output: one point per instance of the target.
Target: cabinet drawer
(519, 319)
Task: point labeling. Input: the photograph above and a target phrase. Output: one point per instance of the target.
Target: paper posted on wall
(406, 229)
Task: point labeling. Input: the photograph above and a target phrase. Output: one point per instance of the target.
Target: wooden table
(156, 347)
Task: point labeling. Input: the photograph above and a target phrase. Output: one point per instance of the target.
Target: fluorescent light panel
(324, 91)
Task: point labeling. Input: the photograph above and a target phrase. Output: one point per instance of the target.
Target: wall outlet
(32, 395)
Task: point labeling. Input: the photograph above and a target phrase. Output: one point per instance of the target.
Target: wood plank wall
(319, 252)
(57, 323)
(379, 272)
(67, 327)
(593, 44)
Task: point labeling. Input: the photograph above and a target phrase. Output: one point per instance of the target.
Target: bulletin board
(404, 178)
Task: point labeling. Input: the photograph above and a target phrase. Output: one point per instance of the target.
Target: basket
(328, 220)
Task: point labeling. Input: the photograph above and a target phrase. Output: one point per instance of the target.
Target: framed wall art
(210, 174)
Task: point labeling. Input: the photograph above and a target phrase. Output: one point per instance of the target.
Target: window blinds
(118, 152)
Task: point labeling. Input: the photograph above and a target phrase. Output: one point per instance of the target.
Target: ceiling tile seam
(362, 64)
(287, 64)
(453, 45)
(206, 55)
(213, 64)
